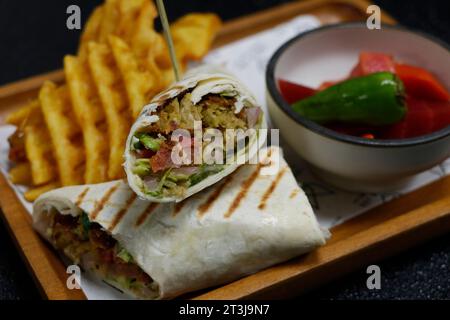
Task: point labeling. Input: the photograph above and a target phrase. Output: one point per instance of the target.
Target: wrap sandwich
(247, 222)
(208, 101)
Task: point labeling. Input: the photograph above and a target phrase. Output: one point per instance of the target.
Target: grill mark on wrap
(99, 205)
(243, 192)
(81, 196)
(147, 211)
(119, 215)
(294, 193)
(245, 186)
(213, 196)
(271, 189)
(178, 207)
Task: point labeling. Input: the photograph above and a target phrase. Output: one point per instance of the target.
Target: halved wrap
(209, 102)
(247, 222)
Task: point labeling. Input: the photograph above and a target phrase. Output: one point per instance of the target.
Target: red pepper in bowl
(293, 92)
(420, 83)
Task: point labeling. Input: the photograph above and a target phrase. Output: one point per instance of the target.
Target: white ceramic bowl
(349, 162)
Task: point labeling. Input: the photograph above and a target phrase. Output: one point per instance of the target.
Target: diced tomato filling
(144, 153)
(68, 232)
(162, 159)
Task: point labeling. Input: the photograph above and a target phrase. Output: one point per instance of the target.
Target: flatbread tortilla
(190, 94)
(252, 219)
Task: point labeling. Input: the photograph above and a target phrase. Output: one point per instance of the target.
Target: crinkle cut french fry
(114, 101)
(194, 33)
(139, 84)
(34, 193)
(20, 173)
(119, 17)
(18, 117)
(64, 132)
(122, 63)
(110, 20)
(91, 118)
(145, 42)
(37, 146)
(91, 31)
(128, 11)
(39, 151)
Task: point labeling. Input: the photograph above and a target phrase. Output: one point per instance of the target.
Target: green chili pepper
(85, 223)
(147, 141)
(377, 99)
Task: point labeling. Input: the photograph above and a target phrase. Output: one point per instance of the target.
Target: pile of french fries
(75, 133)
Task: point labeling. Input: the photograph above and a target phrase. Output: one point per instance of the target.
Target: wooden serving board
(381, 232)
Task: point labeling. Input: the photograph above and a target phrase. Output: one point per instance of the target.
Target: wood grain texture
(376, 234)
(41, 260)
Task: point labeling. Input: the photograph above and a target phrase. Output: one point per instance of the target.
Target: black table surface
(34, 39)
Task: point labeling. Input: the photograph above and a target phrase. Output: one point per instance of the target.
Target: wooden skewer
(168, 36)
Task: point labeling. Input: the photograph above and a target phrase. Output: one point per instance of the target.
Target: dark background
(34, 39)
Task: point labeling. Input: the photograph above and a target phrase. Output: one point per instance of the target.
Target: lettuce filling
(87, 243)
(152, 148)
